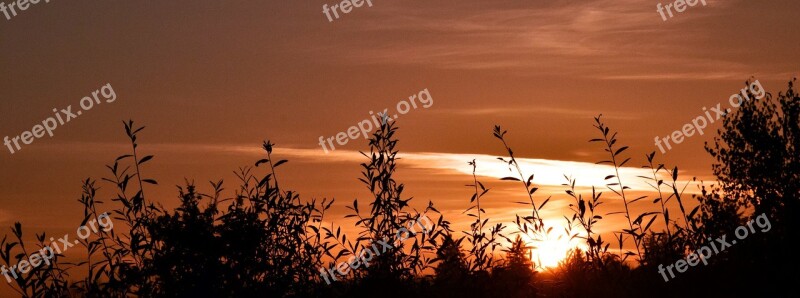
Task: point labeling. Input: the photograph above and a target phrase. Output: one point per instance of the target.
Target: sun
(548, 253)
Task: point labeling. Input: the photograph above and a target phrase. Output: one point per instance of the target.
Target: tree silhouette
(756, 153)
(515, 277)
(758, 167)
(452, 272)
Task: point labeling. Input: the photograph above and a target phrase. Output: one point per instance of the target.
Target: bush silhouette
(264, 240)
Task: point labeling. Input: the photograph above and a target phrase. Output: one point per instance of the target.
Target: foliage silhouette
(265, 240)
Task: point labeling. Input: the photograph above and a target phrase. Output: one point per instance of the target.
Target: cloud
(602, 39)
(547, 172)
(538, 110)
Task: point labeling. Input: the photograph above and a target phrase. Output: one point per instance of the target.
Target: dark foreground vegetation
(262, 240)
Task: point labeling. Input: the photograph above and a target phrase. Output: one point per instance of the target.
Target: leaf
(543, 203)
(650, 223)
(468, 209)
(123, 157)
(691, 214)
(620, 150)
(510, 178)
(261, 161)
(636, 199)
(280, 162)
(151, 181)
(145, 159)
(264, 180)
(641, 216)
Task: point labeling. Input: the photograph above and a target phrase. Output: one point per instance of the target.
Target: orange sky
(212, 79)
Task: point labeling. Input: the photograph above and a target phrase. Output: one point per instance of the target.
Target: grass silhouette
(265, 240)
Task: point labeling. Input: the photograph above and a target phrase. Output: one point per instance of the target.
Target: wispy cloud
(547, 172)
(538, 110)
(605, 39)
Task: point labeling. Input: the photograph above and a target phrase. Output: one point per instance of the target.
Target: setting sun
(549, 252)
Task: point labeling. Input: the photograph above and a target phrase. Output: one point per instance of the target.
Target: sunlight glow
(549, 252)
(547, 172)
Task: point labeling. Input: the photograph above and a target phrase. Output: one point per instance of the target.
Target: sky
(211, 80)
